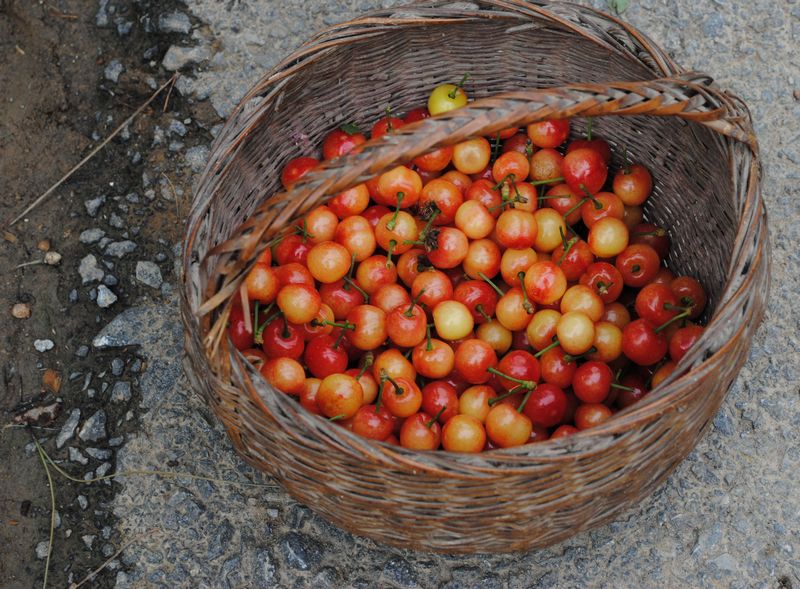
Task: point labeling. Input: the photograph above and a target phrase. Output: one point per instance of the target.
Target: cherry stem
(666, 324)
(589, 125)
(434, 419)
(671, 307)
(255, 313)
(339, 339)
(257, 336)
(614, 385)
(479, 309)
(626, 164)
(385, 376)
(572, 358)
(524, 401)
(496, 144)
(602, 287)
(452, 94)
(658, 232)
(502, 182)
(392, 245)
(493, 401)
(490, 283)
(354, 284)
(543, 351)
(526, 304)
(424, 233)
(345, 325)
(392, 223)
(410, 311)
(336, 417)
(368, 359)
(304, 231)
(597, 204)
(285, 333)
(575, 208)
(546, 181)
(528, 384)
(429, 345)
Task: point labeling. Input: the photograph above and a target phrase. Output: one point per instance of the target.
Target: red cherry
(372, 422)
(437, 395)
(420, 432)
(292, 249)
(642, 343)
(282, 340)
(592, 382)
(341, 297)
(652, 235)
(638, 264)
(296, 169)
(416, 114)
(599, 145)
(546, 406)
(682, 340)
(556, 369)
(584, 170)
(520, 365)
(564, 431)
(387, 124)
(604, 279)
(473, 359)
(323, 357)
(656, 303)
(591, 414)
(241, 337)
(635, 390)
(549, 134)
(690, 294)
(341, 141)
(478, 297)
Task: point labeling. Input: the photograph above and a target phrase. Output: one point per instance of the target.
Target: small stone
(116, 221)
(110, 280)
(43, 245)
(91, 235)
(102, 470)
(89, 270)
(107, 550)
(73, 295)
(713, 25)
(161, 257)
(68, 429)
(93, 205)
(52, 258)
(105, 298)
(75, 455)
(119, 249)
(178, 57)
(117, 366)
(725, 562)
(177, 22)
(175, 146)
(148, 273)
(196, 158)
(124, 27)
(177, 128)
(88, 540)
(21, 311)
(114, 442)
(83, 502)
(400, 572)
(101, 18)
(42, 549)
(302, 552)
(99, 453)
(121, 392)
(113, 70)
(94, 428)
(43, 345)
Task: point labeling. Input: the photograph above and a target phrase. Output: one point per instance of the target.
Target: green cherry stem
(479, 309)
(345, 325)
(528, 384)
(336, 417)
(354, 284)
(526, 304)
(589, 125)
(666, 324)
(392, 223)
(429, 424)
(575, 208)
(369, 358)
(615, 385)
(385, 376)
(572, 358)
(543, 351)
(493, 401)
(524, 401)
(546, 181)
(452, 94)
(429, 345)
(597, 204)
(488, 281)
(410, 311)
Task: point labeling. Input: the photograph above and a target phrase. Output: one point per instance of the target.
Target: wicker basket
(528, 61)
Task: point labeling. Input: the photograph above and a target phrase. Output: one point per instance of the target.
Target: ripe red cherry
(628, 397)
(292, 249)
(433, 358)
(478, 297)
(601, 146)
(416, 114)
(438, 395)
(384, 125)
(434, 161)
(296, 169)
(516, 229)
(357, 235)
(633, 185)
(463, 433)
(511, 164)
(299, 303)
(374, 272)
(546, 406)
(642, 343)
(652, 235)
(451, 247)
(241, 337)
(485, 193)
(293, 273)
(656, 303)
(374, 214)
(369, 327)
(556, 369)
(341, 297)
(473, 359)
(281, 339)
(506, 427)
(323, 357)
(591, 414)
(520, 365)
(682, 340)
(638, 264)
(611, 206)
(431, 288)
(420, 432)
(405, 326)
(339, 395)
(483, 258)
(353, 201)
(392, 362)
(576, 260)
(284, 374)
(592, 382)
(584, 170)
(521, 143)
(328, 261)
(374, 423)
(564, 431)
(342, 141)
(690, 294)
(545, 283)
(446, 198)
(390, 296)
(549, 134)
(401, 396)
(604, 279)
(399, 186)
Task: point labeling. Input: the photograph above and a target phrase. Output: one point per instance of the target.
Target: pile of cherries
(498, 292)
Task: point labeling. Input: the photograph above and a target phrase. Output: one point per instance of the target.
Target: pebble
(148, 273)
(43, 345)
(118, 249)
(73, 295)
(178, 57)
(88, 540)
(42, 548)
(94, 428)
(110, 280)
(176, 22)
(89, 270)
(101, 17)
(117, 366)
(83, 502)
(82, 351)
(121, 392)
(93, 205)
(161, 257)
(99, 453)
(91, 235)
(21, 311)
(175, 146)
(196, 158)
(177, 128)
(75, 455)
(105, 298)
(68, 429)
(102, 470)
(301, 551)
(116, 221)
(113, 70)
(114, 442)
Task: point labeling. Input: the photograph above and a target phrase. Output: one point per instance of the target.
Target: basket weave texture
(528, 61)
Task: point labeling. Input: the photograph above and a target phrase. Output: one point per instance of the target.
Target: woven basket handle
(692, 96)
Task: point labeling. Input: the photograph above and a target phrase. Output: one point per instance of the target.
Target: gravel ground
(727, 517)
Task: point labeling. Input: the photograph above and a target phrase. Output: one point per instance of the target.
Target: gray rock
(725, 562)
(121, 392)
(101, 17)
(99, 453)
(94, 428)
(68, 429)
(73, 296)
(118, 249)
(93, 205)
(110, 280)
(88, 540)
(175, 22)
(196, 158)
(116, 221)
(177, 128)
(300, 551)
(113, 70)
(89, 270)
(75, 455)
(114, 442)
(399, 571)
(117, 366)
(124, 27)
(178, 57)
(175, 146)
(105, 298)
(43, 345)
(102, 470)
(148, 273)
(83, 502)
(82, 351)
(42, 550)
(91, 235)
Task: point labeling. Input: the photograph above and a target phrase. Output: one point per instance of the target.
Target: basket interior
(693, 195)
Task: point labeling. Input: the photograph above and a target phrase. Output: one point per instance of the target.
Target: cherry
(324, 357)
(599, 145)
(449, 247)
(591, 414)
(292, 249)
(342, 141)
(496, 335)
(241, 337)
(372, 422)
(514, 311)
(483, 258)
(421, 432)
(473, 359)
(433, 358)
(514, 261)
(564, 431)
(368, 327)
(387, 124)
(390, 296)
(610, 206)
(657, 303)
(396, 233)
(690, 293)
(582, 298)
(479, 298)
(463, 433)
(406, 326)
(557, 368)
(617, 314)
(447, 97)
(296, 169)
(664, 276)
(328, 261)
(521, 143)
(584, 169)
(549, 133)
(634, 388)
(400, 186)
(453, 320)
(651, 235)
(342, 297)
(400, 395)
(411, 264)
(546, 406)
(485, 193)
(356, 234)
(374, 214)
(299, 303)
(519, 365)
(294, 273)
(604, 279)
(394, 364)
(440, 398)
(339, 396)
(431, 288)
(434, 161)
(507, 426)
(472, 156)
(592, 382)
(416, 114)
(633, 216)
(608, 237)
(567, 202)
(256, 357)
(262, 283)
(682, 340)
(445, 197)
(308, 396)
(607, 342)
(545, 282)
(282, 339)
(374, 272)
(516, 229)
(638, 264)
(542, 328)
(662, 373)
(642, 343)
(575, 331)
(511, 164)
(633, 184)
(318, 225)
(546, 166)
(352, 201)
(285, 374)
(551, 230)
(573, 257)
(458, 179)
(474, 219)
